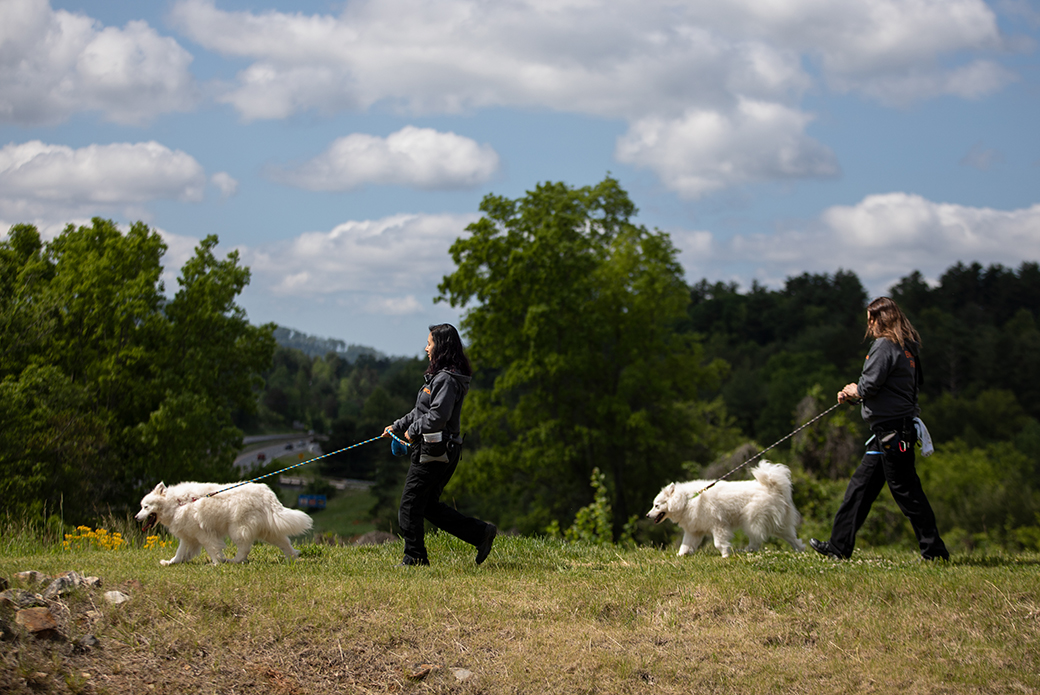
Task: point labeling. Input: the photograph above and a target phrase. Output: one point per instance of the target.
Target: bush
(593, 523)
(990, 492)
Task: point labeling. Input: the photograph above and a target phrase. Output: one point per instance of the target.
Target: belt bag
(896, 440)
(434, 448)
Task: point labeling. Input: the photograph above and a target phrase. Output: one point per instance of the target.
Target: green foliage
(829, 447)
(994, 415)
(780, 343)
(107, 386)
(594, 524)
(979, 330)
(572, 327)
(983, 494)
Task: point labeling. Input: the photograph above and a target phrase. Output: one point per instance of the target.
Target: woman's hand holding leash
(850, 392)
(389, 432)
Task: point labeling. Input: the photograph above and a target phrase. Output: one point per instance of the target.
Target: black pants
(895, 467)
(421, 500)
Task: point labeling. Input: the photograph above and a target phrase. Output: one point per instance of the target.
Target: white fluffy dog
(761, 507)
(246, 513)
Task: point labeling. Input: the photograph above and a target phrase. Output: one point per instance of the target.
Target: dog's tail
(778, 477)
(773, 475)
(290, 522)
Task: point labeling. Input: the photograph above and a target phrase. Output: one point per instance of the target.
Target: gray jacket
(437, 407)
(890, 381)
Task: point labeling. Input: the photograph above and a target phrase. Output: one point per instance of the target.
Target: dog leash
(782, 439)
(296, 465)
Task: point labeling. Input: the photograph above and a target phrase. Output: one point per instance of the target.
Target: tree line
(592, 354)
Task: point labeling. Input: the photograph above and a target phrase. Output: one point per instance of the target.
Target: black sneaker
(485, 545)
(825, 548)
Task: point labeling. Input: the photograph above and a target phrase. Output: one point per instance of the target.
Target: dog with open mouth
(762, 508)
(245, 513)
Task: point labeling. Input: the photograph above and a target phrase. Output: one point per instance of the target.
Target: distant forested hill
(313, 346)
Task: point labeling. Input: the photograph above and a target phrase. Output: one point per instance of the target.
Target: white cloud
(882, 239)
(453, 55)
(971, 81)
(55, 63)
(623, 58)
(396, 306)
(228, 186)
(379, 266)
(38, 180)
(179, 250)
(705, 151)
(676, 72)
(414, 157)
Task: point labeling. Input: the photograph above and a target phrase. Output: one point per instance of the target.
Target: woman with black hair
(888, 391)
(433, 431)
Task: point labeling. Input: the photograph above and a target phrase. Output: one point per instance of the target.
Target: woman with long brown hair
(887, 390)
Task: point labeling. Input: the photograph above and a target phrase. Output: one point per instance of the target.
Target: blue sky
(341, 147)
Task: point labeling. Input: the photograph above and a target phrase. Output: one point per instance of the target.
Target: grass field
(538, 617)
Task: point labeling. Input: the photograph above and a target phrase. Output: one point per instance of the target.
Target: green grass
(346, 514)
(538, 617)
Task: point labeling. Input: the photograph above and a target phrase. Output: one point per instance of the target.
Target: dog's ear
(669, 488)
(160, 489)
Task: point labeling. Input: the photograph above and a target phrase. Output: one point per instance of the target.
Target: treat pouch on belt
(434, 447)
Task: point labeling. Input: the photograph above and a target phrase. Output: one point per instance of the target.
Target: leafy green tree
(108, 386)
(210, 366)
(571, 320)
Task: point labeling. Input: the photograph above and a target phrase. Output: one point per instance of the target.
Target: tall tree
(106, 385)
(571, 320)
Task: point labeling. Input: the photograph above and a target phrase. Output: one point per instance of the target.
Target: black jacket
(437, 407)
(890, 381)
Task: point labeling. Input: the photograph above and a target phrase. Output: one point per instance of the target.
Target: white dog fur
(761, 508)
(246, 513)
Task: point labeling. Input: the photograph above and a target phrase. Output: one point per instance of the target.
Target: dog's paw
(165, 563)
